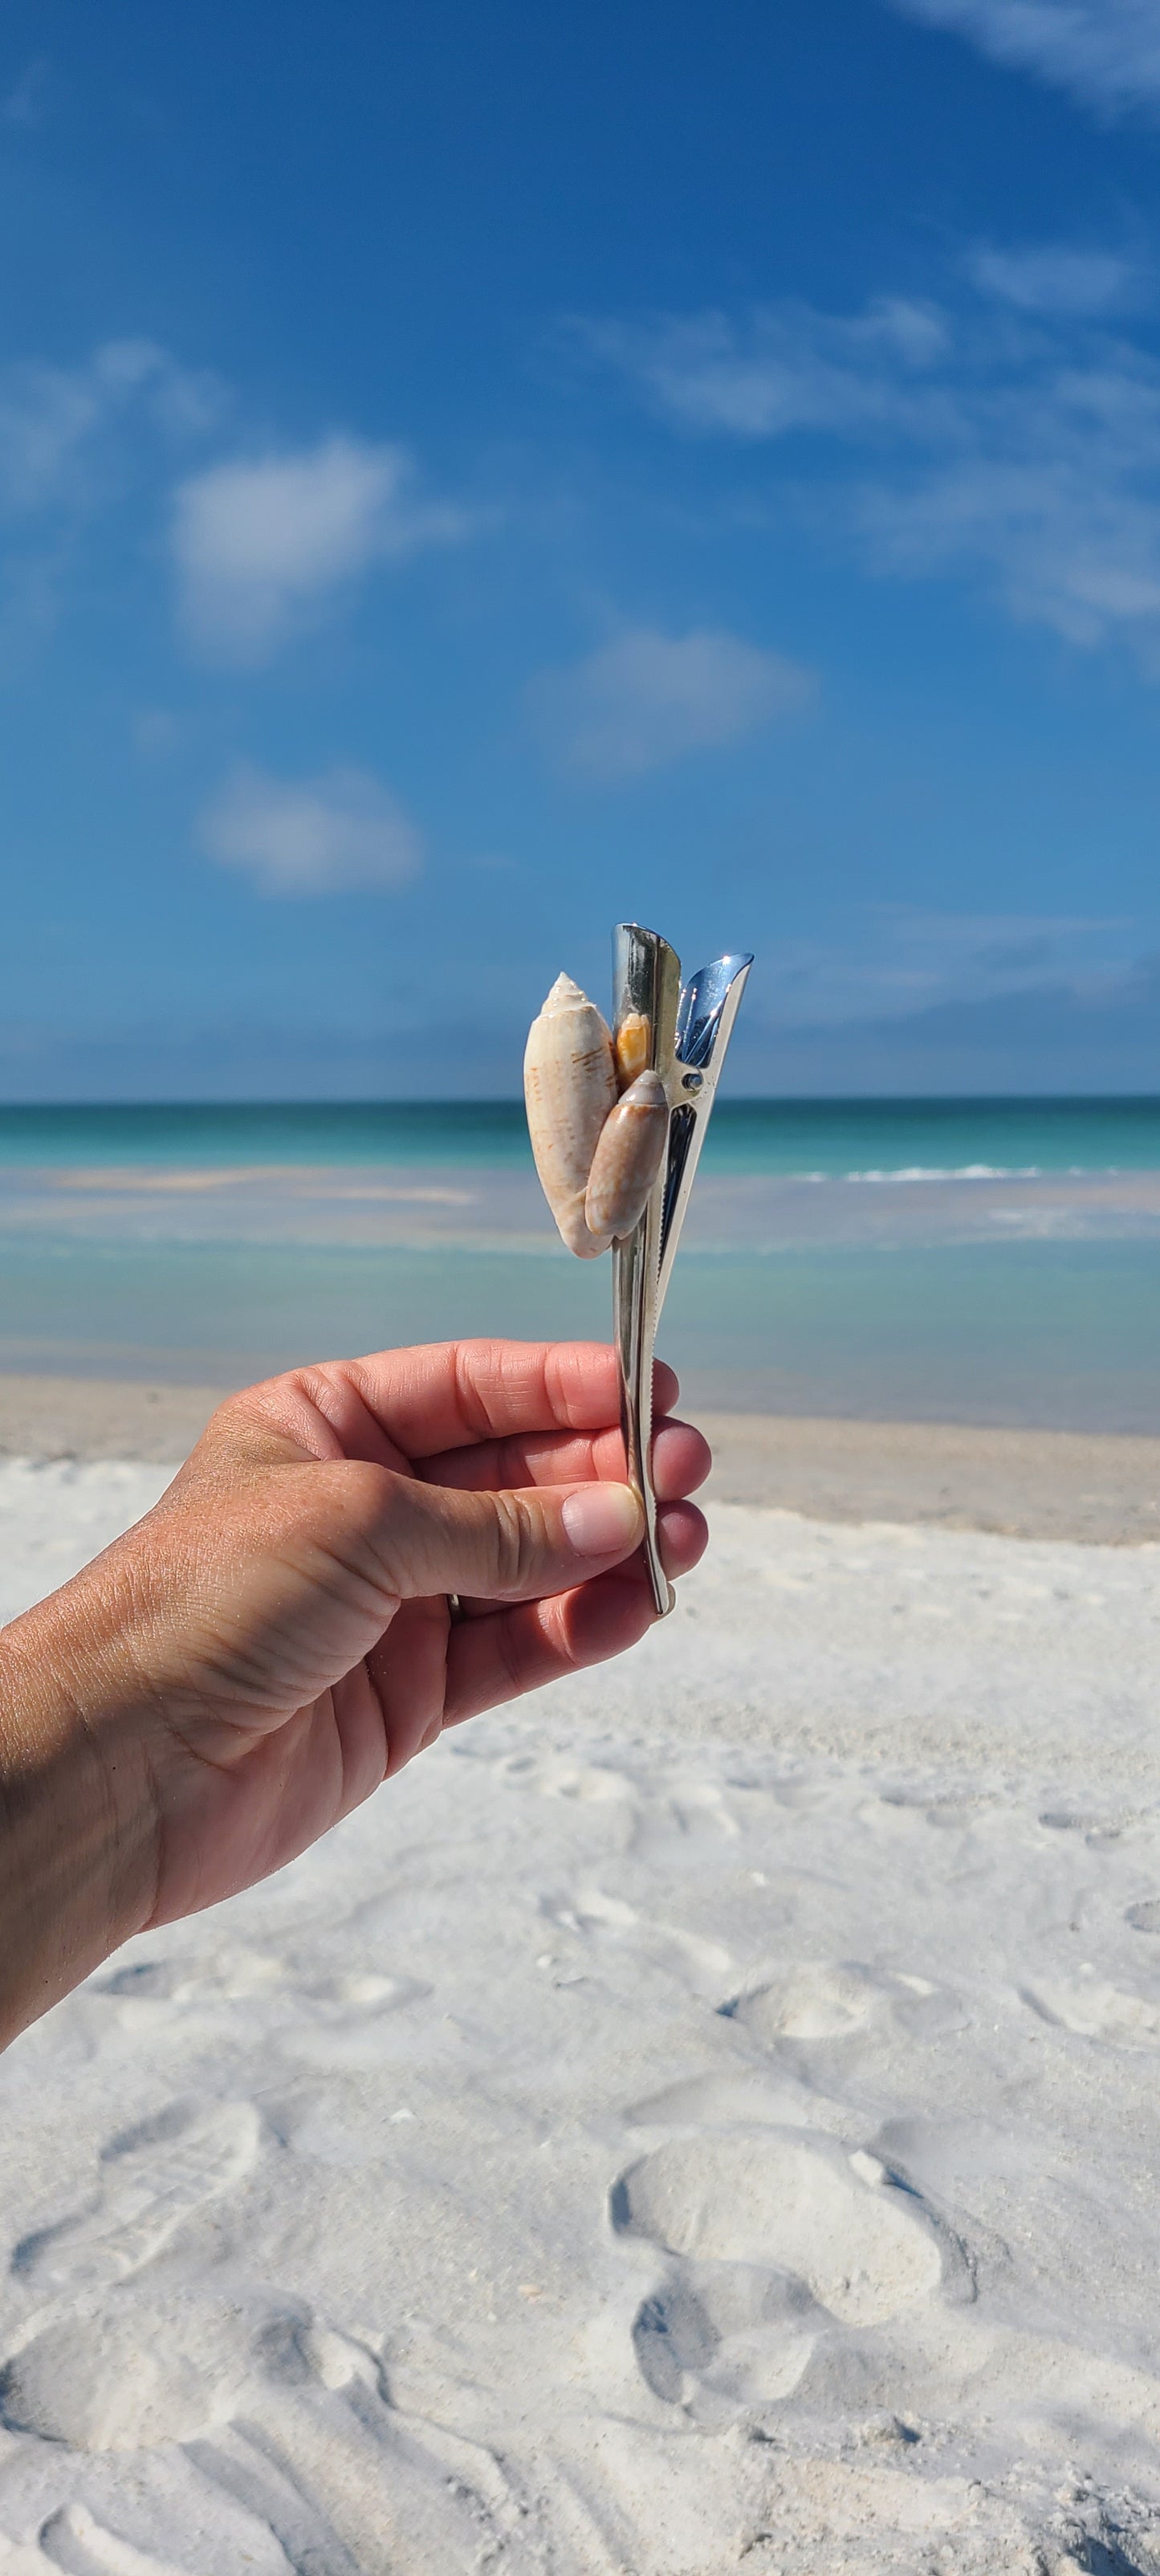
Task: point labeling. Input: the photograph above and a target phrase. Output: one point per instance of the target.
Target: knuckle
(348, 1498)
(472, 1365)
(517, 1541)
(368, 1503)
(367, 1489)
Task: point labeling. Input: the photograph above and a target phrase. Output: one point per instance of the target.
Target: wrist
(79, 1833)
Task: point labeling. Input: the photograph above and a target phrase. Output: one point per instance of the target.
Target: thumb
(507, 1546)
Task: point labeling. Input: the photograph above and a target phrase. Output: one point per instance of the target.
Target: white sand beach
(705, 2118)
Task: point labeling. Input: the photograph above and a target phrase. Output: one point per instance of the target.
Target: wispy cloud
(1106, 52)
(1014, 444)
(1044, 1039)
(1052, 279)
(75, 442)
(335, 834)
(59, 426)
(914, 1000)
(647, 699)
(790, 368)
(260, 543)
(903, 959)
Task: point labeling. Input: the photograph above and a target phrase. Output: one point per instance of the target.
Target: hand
(274, 1639)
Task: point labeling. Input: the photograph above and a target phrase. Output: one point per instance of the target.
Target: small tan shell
(627, 1159)
(569, 1087)
(633, 1047)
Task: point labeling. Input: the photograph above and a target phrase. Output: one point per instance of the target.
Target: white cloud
(1016, 447)
(58, 424)
(794, 368)
(75, 442)
(1052, 279)
(1069, 549)
(259, 543)
(336, 834)
(647, 699)
(1106, 52)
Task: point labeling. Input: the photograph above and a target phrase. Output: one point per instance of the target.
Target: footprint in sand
(152, 2179)
(789, 2202)
(1099, 1827)
(590, 1912)
(813, 2000)
(727, 2330)
(721, 2101)
(110, 2372)
(352, 2025)
(286, 2423)
(595, 1917)
(74, 2540)
(325, 2464)
(141, 2372)
(1096, 2010)
(233, 1975)
(689, 1811)
(556, 1775)
(127, 2377)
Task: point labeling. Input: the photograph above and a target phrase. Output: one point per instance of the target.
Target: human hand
(274, 1639)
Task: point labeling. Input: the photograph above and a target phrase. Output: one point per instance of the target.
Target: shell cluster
(597, 1116)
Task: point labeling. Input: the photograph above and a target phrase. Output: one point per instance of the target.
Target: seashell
(633, 1044)
(627, 1159)
(569, 1088)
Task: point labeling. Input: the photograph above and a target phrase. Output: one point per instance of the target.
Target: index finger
(451, 1395)
(681, 1460)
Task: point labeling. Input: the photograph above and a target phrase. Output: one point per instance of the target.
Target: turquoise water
(1003, 1267)
(1062, 1335)
(830, 1138)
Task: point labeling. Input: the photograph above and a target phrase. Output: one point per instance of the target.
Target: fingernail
(602, 1520)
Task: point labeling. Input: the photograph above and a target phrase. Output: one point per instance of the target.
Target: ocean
(830, 1139)
(989, 1260)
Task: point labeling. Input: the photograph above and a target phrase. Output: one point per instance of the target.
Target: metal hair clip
(682, 1033)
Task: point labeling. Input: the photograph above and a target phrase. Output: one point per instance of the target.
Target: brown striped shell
(627, 1159)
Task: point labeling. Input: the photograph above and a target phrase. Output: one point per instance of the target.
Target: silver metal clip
(684, 1036)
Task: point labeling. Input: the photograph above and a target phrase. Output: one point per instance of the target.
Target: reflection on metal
(689, 1030)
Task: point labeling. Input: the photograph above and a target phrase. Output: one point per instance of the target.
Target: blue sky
(467, 476)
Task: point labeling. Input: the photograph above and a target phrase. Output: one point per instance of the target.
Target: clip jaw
(689, 1030)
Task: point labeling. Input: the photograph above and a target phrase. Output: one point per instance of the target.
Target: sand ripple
(629, 2151)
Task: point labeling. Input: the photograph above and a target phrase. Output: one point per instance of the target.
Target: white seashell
(627, 1159)
(569, 1087)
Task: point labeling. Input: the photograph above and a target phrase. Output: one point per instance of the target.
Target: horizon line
(514, 1100)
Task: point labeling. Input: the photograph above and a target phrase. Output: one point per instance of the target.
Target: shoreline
(1092, 1487)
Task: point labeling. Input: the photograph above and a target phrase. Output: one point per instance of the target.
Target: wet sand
(1023, 1483)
